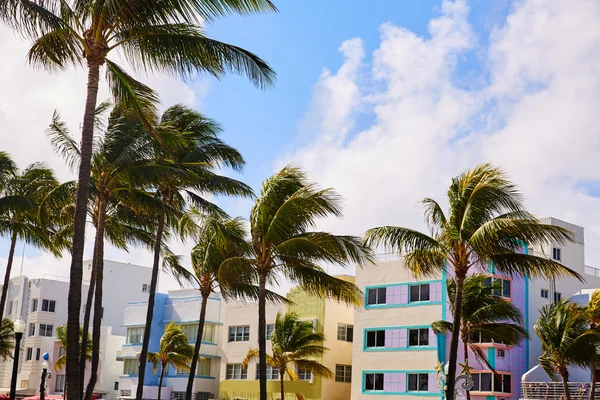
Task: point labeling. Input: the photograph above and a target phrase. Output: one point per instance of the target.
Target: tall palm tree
(174, 349)
(486, 314)
(195, 151)
(593, 315)
(61, 335)
(294, 344)
(283, 244)
(22, 193)
(153, 36)
(566, 340)
(486, 223)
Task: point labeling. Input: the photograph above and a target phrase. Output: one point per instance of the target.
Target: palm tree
(22, 193)
(486, 223)
(593, 316)
(296, 343)
(61, 335)
(174, 350)
(566, 340)
(283, 244)
(7, 336)
(485, 314)
(194, 151)
(153, 36)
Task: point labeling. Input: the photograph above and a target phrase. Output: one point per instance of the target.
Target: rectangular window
(272, 373)
(48, 305)
(373, 382)
(556, 254)
(418, 337)
(270, 328)
(145, 288)
(190, 331)
(24, 384)
(375, 338)
(181, 371)
(126, 393)
(130, 366)
(208, 333)
(345, 332)
(304, 374)
(34, 305)
(31, 329)
(29, 354)
(239, 333)
(203, 367)
(46, 330)
(61, 351)
(418, 382)
(500, 353)
(37, 354)
(419, 293)
(235, 371)
(9, 308)
(116, 386)
(135, 335)
(343, 373)
(488, 382)
(478, 337)
(504, 290)
(376, 296)
(557, 297)
(544, 293)
(60, 383)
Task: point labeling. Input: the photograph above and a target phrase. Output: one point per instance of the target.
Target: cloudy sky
(386, 104)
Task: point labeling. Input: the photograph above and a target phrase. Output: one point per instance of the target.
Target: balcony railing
(592, 271)
(555, 390)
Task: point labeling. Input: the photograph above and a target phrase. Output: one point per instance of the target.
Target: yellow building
(240, 333)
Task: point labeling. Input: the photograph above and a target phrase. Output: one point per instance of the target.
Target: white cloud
(536, 116)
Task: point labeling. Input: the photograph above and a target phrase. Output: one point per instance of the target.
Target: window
(31, 330)
(60, 383)
(343, 373)
(203, 367)
(34, 305)
(418, 337)
(126, 393)
(419, 293)
(557, 297)
(373, 382)
(418, 382)
(556, 254)
(375, 338)
(504, 290)
(544, 293)
(235, 371)
(191, 331)
(376, 296)
(116, 386)
(270, 328)
(24, 384)
(500, 353)
(208, 333)
(61, 351)
(239, 334)
(478, 337)
(345, 332)
(29, 355)
(304, 374)
(487, 382)
(46, 330)
(145, 288)
(272, 373)
(10, 307)
(48, 305)
(37, 354)
(130, 366)
(135, 335)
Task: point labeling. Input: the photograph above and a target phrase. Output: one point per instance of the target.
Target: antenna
(22, 258)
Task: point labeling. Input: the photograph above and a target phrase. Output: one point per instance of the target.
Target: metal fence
(256, 396)
(555, 390)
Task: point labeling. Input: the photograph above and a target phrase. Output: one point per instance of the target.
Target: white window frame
(342, 332)
(241, 333)
(419, 344)
(235, 372)
(346, 373)
(270, 329)
(380, 296)
(420, 286)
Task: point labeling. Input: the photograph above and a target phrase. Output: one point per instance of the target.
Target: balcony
(592, 271)
(555, 390)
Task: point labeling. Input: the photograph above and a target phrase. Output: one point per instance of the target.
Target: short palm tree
(174, 349)
(61, 335)
(21, 193)
(593, 314)
(283, 244)
(152, 36)
(566, 340)
(486, 223)
(7, 336)
(195, 154)
(486, 314)
(295, 345)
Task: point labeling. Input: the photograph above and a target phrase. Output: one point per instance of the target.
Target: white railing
(555, 390)
(592, 271)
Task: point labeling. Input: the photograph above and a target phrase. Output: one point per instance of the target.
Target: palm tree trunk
(281, 376)
(466, 351)
(153, 284)
(565, 378)
(99, 256)
(452, 358)
(76, 273)
(86, 318)
(190, 384)
(593, 388)
(262, 339)
(11, 256)
(160, 381)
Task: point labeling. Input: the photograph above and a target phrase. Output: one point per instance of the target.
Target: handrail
(555, 390)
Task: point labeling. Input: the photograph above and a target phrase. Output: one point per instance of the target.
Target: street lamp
(19, 328)
(463, 381)
(44, 374)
